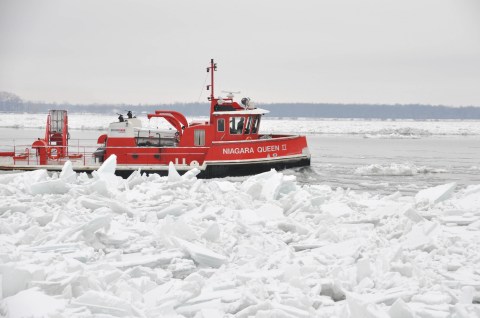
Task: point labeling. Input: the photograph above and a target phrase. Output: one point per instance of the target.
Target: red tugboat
(229, 144)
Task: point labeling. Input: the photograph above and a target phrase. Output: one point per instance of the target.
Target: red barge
(229, 144)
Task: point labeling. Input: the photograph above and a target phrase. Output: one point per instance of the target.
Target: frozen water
(435, 194)
(259, 246)
(384, 129)
(31, 303)
(375, 228)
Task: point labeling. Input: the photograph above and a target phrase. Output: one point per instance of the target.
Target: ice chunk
(134, 179)
(270, 211)
(190, 310)
(173, 175)
(337, 209)
(32, 303)
(395, 169)
(67, 174)
(212, 233)
(362, 308)
(35, 176)
(178, 228)
(459, 220)
(103, 303)
(435, 194)
(272, 309)
(191, 174)
(268, 185)
(16, 278)
(13, 208)
(119, 207)
(96, 224)
(466, 295)
(211, 313)
(174, 209)
(413, 215)
(400, 309)
(54, 186)
(94, 202)
(108, 166)
(162, 294)
(225, 186)
(148, 260)
(202, 255)
(252, 310)
(406, 269)
(363, 269)
(432, 298)
(420, 237)
(346, 248)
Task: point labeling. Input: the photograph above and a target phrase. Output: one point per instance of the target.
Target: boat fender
(53, 153)
(194, 163)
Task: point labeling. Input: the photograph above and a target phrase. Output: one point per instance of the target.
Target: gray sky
(340, 51)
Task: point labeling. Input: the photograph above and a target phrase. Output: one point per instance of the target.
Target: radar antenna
(230, 93)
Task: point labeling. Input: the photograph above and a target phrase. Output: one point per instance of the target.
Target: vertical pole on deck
(212, 70)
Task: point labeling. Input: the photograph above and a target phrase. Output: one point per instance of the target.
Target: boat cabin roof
(255, 111)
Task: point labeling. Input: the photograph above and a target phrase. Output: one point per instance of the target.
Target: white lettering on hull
(237, 151)
(184, 161)
(268, 148)
(252, 150)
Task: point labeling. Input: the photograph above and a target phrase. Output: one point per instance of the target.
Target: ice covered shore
(177, 246)
(368, 128)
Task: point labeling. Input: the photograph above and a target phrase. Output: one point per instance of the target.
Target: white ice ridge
(395, 169)
(368, 128)
(148, 246)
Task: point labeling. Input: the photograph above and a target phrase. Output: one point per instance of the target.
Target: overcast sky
(339, 51)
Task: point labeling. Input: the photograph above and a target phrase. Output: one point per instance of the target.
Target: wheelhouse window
(236, 125)
(256, 124)
(199, 137)
(221, 124)
(248, 125)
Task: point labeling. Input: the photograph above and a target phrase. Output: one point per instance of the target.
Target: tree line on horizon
(12, 103)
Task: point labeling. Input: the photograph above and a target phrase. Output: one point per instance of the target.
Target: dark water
(438, 159)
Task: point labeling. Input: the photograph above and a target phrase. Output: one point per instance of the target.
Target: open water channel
(344, 160)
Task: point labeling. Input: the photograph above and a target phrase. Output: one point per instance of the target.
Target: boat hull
(219, 159)
(217, 169)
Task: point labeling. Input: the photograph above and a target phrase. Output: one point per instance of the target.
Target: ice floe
(263, 246)
(395, 169)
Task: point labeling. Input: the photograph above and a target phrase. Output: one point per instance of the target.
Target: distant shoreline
(13, 104)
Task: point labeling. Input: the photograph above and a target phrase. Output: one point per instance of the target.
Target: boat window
(236, 125)
(221, 124)
(256, 124)
(199, 137)
(248, 125)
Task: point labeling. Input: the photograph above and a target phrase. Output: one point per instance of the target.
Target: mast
(212, 68)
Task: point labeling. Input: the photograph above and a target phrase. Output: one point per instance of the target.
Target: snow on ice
(390, 129)
(395, 169)
(265, 246)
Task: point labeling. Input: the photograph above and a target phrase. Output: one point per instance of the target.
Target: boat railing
(80, 152)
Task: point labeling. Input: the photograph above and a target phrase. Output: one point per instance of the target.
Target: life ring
(249, 138)
(53, 153)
